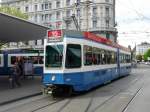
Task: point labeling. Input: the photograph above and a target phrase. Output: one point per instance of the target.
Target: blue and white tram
(80, 61)
(9, 57)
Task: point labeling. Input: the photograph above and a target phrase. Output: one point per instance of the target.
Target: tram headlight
(53, 78)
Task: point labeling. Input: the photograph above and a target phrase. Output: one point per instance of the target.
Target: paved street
(29, 87)
(128, 94)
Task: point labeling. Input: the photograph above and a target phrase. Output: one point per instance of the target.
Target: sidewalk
(29, 87)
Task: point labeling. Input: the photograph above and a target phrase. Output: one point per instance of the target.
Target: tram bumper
(48, 89)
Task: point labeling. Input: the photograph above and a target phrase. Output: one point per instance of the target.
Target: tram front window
(54, 55)
(73, 56)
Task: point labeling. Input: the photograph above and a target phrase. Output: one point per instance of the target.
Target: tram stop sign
(54, 35)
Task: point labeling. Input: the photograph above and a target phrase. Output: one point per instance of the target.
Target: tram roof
(13, 29)
(88, 36)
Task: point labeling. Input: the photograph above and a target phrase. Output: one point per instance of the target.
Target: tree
(139, 57)
(146, 55)
(13, 11)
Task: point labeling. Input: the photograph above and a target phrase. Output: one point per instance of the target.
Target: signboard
(54, 35)
(96, 38)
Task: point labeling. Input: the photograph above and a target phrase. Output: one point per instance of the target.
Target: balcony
(67, 19)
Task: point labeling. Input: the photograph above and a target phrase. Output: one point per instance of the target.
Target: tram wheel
(57, 92)
(68, 91)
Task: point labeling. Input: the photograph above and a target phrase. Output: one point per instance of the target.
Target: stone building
(142, 48)
(97, 16)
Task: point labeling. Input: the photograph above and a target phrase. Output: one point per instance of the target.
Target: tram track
(90, 103)
(118, 93)
(131, 99)
(105, 101)
(36, 103)
(61, 109)
(93, 95)
(50, 104)
(63, 103)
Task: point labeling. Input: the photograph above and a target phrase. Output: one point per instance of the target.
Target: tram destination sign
(54, 35)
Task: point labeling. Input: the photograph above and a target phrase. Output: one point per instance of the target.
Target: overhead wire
(132, 8)
(140, 17)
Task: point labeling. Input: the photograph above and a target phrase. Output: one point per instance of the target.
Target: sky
(133, 21)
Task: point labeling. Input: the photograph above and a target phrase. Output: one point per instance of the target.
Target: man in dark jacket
(21, 66)
(16, 76)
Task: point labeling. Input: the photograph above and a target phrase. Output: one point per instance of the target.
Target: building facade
(142, 48)
(96, 16)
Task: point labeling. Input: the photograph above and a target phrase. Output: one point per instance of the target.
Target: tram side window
(37, 59)
(73, 56)
(13, 59)
(102, 57)
(25, 58)
(106, 57)
(124, 58)
(0, 60)
(128, 59)
(40, 58)
(34, 59)
(113, 57)
(96, 56)
(109, 56)
(121, 58)
(87, 55)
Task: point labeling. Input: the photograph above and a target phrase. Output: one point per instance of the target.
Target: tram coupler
(48, 90)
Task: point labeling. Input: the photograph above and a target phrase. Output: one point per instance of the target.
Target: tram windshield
(54, 55)
(73, 56)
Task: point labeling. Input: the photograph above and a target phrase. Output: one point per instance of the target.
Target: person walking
(16, 75)
(21, 66)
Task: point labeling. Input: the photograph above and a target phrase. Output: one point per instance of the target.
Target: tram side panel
(115, 73)
(97, 77)
(124, 63)
(80, 81)
(4, 70)
(37, 62)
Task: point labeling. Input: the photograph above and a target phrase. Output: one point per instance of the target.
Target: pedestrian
(21, 66)
(16, 75)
